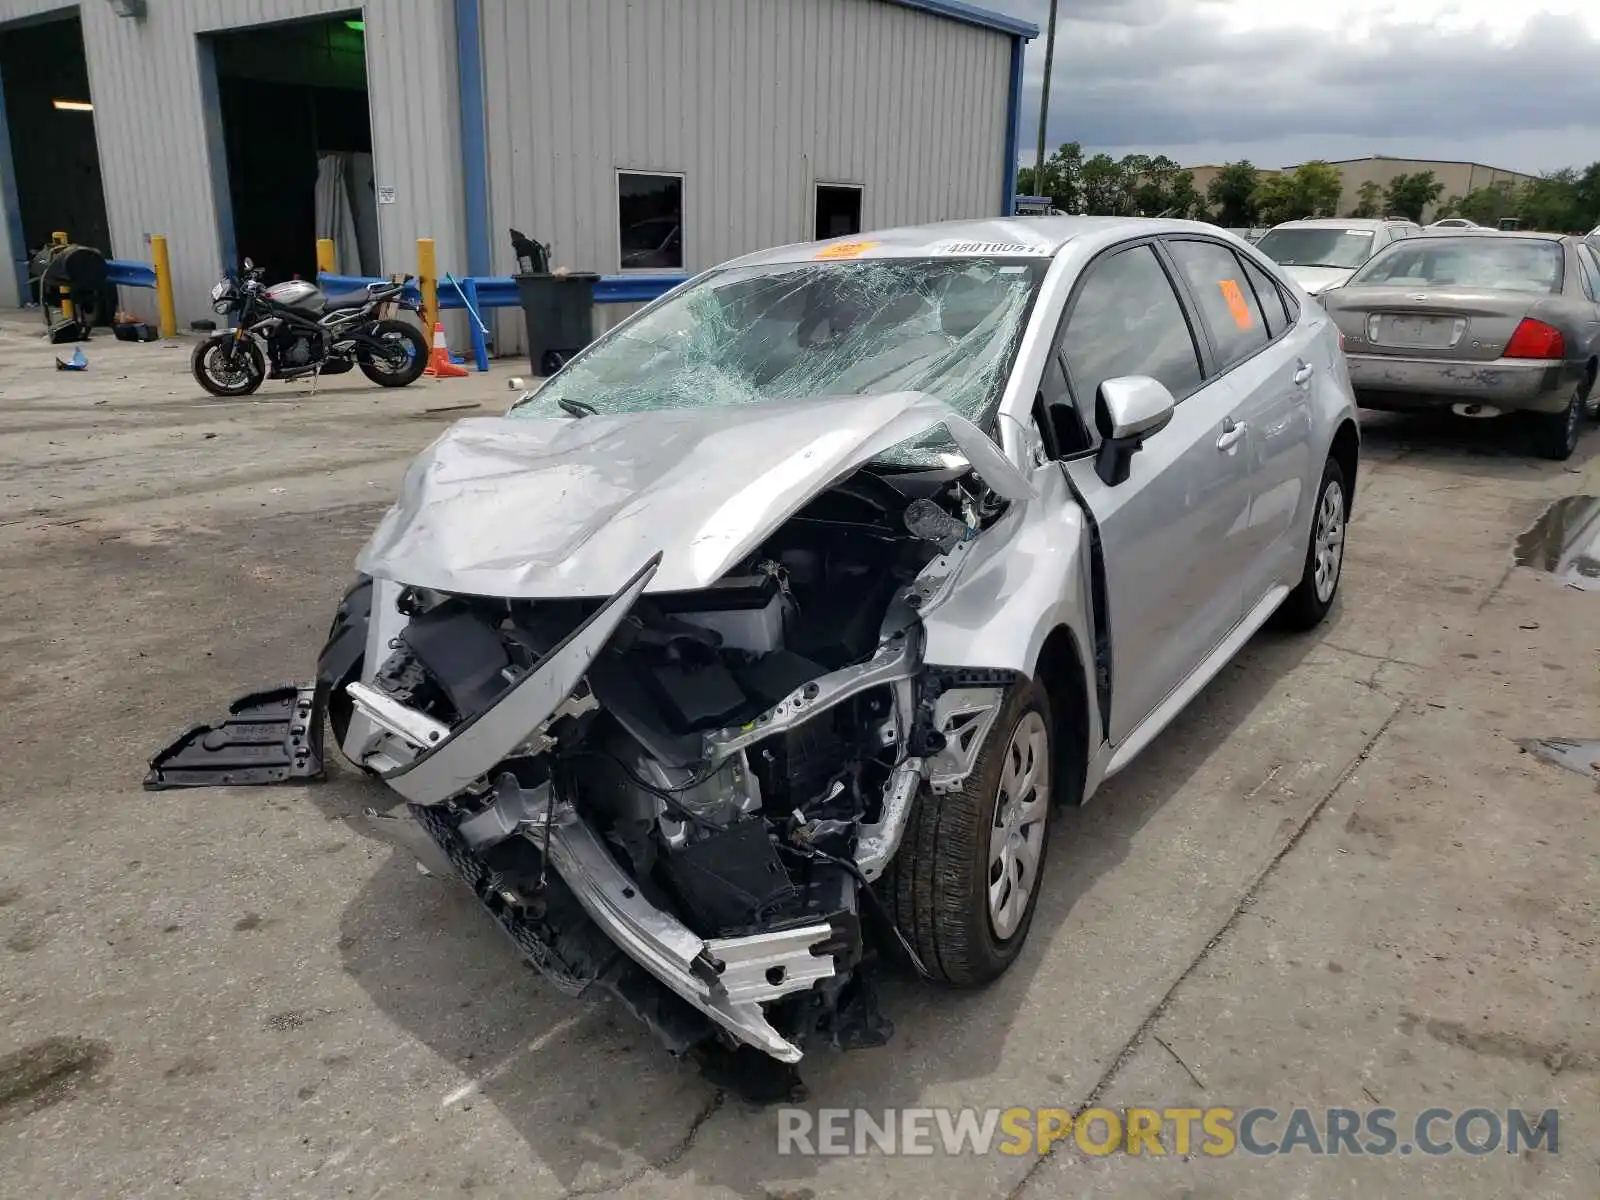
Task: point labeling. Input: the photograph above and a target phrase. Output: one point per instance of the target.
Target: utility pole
(1044, 100)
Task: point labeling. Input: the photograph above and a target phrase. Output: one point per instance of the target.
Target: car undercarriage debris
(273, 736)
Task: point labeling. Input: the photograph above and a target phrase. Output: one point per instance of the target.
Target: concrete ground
(1335, 881)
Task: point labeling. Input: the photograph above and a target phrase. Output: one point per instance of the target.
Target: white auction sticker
(990, 248)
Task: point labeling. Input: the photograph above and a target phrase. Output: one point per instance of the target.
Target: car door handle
(1232, 434)
(1302, 375)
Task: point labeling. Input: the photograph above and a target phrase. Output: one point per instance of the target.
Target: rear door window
(1589, 265)
(1226, 299)
(1127, 320)
(1269, 296)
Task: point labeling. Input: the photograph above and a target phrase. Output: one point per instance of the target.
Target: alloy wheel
(396, 357)
(225, 370)
(1016, 840)
(1328, 541)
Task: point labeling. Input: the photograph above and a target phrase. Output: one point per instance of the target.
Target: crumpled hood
(529, 508)
(1315, 279)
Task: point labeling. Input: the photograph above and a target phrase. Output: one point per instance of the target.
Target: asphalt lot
(1335, 881)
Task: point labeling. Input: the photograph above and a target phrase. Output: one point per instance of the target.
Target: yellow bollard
(427, 280)
(58, 238)
(164, 305)
(325, 256)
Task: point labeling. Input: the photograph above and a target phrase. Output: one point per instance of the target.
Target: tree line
(1242, 195)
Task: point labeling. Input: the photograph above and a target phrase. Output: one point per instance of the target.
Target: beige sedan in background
(1478, 322)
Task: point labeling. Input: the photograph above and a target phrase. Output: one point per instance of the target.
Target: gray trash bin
(559, 311)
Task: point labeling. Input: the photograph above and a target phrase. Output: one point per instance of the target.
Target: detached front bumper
(1396, 383)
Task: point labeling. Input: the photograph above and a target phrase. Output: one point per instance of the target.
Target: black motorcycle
(308, 333)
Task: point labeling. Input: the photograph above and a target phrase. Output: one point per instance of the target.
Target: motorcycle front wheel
(225, 367)
(404, 356)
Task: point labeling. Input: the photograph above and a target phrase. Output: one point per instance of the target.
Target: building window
(838, 210)
(649, 221)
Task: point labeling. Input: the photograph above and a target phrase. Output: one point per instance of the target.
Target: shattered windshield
(788, 331)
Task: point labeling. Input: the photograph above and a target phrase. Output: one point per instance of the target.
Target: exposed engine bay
(732, 749)
(682, 795)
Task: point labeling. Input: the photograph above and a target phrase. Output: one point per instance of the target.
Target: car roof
(1343, 223)
(1457, 231)
(1032, 237)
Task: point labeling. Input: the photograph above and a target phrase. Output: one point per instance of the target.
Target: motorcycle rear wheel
(393, 370)
(228, 368)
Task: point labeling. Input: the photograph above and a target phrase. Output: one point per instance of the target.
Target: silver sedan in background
(1479, 322)
(1322, 252)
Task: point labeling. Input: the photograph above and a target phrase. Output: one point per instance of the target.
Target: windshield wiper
(577, 408)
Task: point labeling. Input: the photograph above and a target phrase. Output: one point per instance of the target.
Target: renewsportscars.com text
(1156, 1132)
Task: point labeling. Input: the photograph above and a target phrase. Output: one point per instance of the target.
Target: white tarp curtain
(346, 211)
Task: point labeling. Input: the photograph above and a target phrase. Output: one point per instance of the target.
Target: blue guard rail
(485, 291)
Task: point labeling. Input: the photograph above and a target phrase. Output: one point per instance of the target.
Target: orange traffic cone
(439, 363)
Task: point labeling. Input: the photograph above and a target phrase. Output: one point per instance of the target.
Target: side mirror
(1128, 410)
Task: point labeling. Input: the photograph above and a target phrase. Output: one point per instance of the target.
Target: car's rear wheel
(966, 881)
(1555, 435)
(1319, 581)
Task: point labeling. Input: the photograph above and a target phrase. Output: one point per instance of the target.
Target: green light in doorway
(358, 26)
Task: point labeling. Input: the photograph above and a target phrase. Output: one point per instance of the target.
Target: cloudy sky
(1511, 84)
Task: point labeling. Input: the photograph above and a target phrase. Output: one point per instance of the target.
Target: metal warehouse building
(630, 135)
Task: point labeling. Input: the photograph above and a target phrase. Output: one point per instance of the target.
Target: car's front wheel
(966, 881)
(1313, 596)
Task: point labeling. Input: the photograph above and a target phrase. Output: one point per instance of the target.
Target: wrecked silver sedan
(758, 643)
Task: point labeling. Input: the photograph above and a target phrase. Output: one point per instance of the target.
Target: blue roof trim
(971, 14)
(1008, 178)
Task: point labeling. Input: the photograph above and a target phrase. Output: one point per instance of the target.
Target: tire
(939, 884)
(1310, 601)
(343, 656)
(249, 365)
(1555, 435)
(400, 332)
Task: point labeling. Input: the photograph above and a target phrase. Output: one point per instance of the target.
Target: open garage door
(52, 181)
(297, 137)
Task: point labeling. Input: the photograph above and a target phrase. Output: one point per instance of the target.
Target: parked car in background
(851, 559)
(1454, 223)
(1479, 322)
(1321, 251)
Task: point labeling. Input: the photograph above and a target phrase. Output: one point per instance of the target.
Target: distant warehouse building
(1458, 178)
(648, 135)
